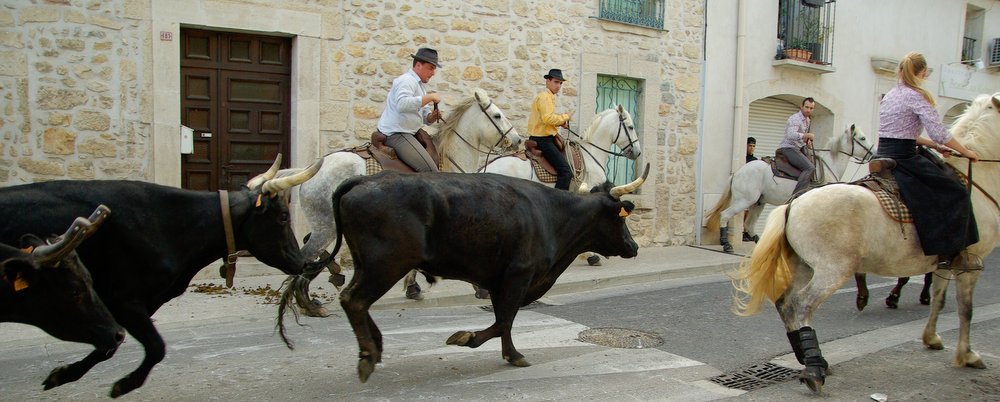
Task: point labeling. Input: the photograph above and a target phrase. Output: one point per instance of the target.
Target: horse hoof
(727, 248)
(892, 301)
(365, 369)
(814, 384)
(935, 346)
(461, 338)
(320, 312)
(594, 260)
(337, 280)
(978, 364)
(861, 303)
(519, 362)
(925, 301)
(482, 293)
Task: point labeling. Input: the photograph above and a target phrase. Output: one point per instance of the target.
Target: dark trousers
(939, 203)
(800, 161)
(548, 147)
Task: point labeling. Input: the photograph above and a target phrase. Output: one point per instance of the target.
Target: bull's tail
(300, 283)
(765, 273)
(714, 215)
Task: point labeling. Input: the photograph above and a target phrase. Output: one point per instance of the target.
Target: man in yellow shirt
(544, 123)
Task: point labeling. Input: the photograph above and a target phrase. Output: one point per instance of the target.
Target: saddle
(780, 167)
(543, 168)
(379, 156)
(881, 183)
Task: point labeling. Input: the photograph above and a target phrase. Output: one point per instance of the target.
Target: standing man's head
(554, 80)
(751, 145)
(425, 63)
(808, 104)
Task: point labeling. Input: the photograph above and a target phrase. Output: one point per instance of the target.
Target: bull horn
(50, 253)
(268, 175)
(278, 185)
(619, 191)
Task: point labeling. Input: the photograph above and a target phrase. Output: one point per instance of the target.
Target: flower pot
(798, 54)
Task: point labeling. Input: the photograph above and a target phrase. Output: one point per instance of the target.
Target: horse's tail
(300, 283)
(714, 216)
(766, 271)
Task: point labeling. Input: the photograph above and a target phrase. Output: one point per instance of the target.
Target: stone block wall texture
(77, 87)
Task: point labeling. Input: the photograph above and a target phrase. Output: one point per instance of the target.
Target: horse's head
(978, 128)
(615, 126)
(856, 144)
(491, 124)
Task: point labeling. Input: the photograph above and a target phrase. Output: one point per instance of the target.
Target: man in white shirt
(407, 108)
(797, 135)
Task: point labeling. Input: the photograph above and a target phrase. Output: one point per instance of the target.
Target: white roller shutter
(767, 124)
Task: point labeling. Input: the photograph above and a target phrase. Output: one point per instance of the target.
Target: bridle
(621, 127)
(855, 142)
(503, 135)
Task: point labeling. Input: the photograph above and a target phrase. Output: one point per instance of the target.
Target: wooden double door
(235, 95)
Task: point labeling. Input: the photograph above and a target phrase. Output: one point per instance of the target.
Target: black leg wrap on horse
(811, 355)
(793, 339)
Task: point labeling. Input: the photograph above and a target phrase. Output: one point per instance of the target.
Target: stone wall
(77, 80)
(73, 92)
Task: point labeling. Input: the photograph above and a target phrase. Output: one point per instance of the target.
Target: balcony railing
(968, 50)
(805, 30)
(646, 13)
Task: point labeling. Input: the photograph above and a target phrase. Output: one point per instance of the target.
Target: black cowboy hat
(555, 73)
(428, 55)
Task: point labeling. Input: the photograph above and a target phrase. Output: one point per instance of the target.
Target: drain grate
(620, 338)
(756, 377)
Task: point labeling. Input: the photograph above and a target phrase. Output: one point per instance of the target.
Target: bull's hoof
(365, 369)
(813, 377)
(124, 386)
(337, 280)
(519, 362)
(594, 260)
(461, 338)
(727, 248)
(413, 292)
(57, 377)
(482, 293)
(222, 271)
(861, 302)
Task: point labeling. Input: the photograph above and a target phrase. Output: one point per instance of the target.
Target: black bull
(152, 245)
(508, 235)
(46, 285)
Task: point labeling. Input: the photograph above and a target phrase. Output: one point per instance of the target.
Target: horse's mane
(447, 132)
(589, 132)
(978, 128)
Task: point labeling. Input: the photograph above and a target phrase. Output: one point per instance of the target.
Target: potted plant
(797, 49)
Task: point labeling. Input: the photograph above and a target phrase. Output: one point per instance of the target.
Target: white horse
(473, 129)
(612, 126)
(815, 244)
(754, 184)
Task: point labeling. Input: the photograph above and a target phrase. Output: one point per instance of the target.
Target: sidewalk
(652, 264)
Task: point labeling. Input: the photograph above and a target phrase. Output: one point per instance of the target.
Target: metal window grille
(611, 92)
(805, 30)
(646, 13)
(968, 50)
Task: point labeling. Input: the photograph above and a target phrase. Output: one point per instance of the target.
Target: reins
(621, 127)
(503, 136)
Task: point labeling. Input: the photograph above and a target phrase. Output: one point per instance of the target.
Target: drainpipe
(739, 112)
(700, 156)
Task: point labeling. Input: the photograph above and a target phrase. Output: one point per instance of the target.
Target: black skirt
(939, 203)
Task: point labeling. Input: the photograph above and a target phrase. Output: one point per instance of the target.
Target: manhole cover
(620, 338)
(530, 306)
(755, 377)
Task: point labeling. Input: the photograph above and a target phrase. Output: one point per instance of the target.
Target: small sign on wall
(166, 36)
